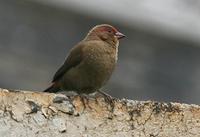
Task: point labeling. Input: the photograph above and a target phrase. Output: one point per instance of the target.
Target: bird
(90, 63)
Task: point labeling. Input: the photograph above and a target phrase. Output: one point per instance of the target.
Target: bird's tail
(53, 88)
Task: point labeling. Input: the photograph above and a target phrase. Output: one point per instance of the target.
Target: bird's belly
(89, 75)
(99, 70)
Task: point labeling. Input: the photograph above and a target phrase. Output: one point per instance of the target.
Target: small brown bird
(90, 63)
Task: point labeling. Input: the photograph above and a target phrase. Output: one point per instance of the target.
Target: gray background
(158, 60)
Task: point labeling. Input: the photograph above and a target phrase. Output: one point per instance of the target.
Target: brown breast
(100, 62)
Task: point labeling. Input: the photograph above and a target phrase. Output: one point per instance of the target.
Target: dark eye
(109, 31)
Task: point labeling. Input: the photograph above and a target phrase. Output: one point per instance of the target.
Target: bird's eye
(110, 31)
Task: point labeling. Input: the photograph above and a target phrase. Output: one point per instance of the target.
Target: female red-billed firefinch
(90, 63)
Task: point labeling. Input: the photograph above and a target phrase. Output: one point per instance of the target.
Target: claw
(107, 97)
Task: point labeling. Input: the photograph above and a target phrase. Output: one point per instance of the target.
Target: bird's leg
(108, 98)
(84, 96)
(103, 93)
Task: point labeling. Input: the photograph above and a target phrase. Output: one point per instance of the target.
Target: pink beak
(119, 35)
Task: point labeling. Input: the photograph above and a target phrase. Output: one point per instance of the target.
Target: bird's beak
(119, 35)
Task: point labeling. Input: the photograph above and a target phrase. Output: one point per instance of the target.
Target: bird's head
(106, 33)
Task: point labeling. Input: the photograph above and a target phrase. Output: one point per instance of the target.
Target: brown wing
(75, 57)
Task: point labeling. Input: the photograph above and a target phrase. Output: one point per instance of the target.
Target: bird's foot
(84, 96)
(69, 94)
(107, 97)
(60, 98)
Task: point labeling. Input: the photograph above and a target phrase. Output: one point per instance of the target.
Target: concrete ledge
(26, 113)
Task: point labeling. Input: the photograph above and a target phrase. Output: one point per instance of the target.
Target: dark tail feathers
(53, 88)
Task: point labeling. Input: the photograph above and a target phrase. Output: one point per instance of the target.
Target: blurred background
(158, 60)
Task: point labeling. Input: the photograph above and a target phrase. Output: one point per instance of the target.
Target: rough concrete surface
(37, 114)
